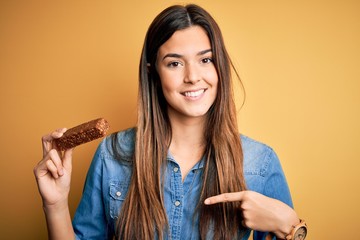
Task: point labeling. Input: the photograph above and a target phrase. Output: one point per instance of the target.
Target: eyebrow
(176, 55)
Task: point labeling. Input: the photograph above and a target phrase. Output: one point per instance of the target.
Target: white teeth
(194, 94)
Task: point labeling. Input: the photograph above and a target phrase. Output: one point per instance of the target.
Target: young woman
(184, 172)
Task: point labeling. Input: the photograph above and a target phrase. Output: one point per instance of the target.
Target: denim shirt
(108, 180)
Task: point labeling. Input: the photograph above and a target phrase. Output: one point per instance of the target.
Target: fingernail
(61, 171)
(207, 201)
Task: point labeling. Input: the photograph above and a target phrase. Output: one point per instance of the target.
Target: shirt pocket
(118, 191)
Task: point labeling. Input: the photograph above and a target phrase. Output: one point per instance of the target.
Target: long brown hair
(143, 214)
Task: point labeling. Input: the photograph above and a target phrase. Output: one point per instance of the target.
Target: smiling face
(187, 73)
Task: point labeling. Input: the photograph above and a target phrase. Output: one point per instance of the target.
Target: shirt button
(176, 169)
(118, 194)
(177, 203)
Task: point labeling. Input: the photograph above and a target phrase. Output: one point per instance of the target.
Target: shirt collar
(200, 164)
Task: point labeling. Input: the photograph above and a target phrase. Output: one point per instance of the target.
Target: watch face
(300, 234)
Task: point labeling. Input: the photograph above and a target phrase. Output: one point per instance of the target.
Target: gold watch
(298, 232)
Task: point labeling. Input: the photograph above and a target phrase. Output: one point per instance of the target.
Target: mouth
(193, 94)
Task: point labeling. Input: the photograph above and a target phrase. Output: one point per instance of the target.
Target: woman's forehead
(187, 41)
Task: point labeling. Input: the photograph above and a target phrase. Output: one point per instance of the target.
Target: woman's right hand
(53, 172)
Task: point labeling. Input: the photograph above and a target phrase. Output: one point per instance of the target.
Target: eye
(173, 64)
(207, 60)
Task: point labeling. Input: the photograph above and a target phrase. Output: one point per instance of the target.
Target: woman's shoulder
(119, 145)
(125, 139)
(258, 156)
(113, 157)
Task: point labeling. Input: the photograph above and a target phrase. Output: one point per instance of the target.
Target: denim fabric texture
(108, 180)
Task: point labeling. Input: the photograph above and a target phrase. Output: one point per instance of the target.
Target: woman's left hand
(261, 213)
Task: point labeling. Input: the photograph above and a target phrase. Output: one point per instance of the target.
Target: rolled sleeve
(90, 220)
(264, 174)
(275, 185)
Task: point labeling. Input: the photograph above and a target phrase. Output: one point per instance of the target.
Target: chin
(197, 114)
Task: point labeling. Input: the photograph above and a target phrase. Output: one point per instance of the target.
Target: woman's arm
(58, 222)
(261, 213)
(269, 207)
(53, 175)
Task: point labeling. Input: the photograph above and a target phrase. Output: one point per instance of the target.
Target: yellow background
(66, 62)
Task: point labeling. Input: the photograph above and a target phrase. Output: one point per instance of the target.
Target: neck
(187, 143)
(187, 132)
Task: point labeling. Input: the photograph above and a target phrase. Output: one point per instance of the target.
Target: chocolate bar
(82, 133)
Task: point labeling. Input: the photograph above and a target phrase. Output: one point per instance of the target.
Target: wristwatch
(298, 232)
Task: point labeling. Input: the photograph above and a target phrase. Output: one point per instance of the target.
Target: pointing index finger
(225, 197)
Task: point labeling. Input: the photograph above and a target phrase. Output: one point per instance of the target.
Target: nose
(192, 74)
